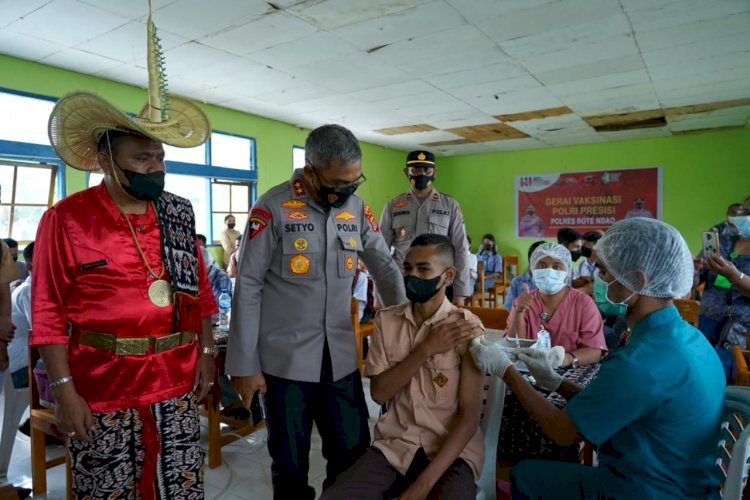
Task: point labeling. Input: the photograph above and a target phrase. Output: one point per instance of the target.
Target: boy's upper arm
(470, 386)
(376, 361)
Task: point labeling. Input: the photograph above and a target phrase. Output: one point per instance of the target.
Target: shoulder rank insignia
(409, 196)
(294, 204)
(371, 219)
(297, 215)
(344, 216)
(435, 196)
(299, 264)
(299, 187)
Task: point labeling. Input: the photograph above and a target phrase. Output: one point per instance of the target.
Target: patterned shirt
(715, 301)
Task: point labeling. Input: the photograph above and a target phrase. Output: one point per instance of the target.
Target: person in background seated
(227, 238)
(428, 443)
(23, 273)
(232, 267)
(361, 290)
(725, 304)
(587, 268)
(655, 407)
(202, 241)
(218, 279)
(473, 263)
(572, 240)
(726, 228)
(493, 262)
(570, 316)
(516, 286)
(8, 274)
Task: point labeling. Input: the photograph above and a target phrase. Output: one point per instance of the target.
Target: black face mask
(488, 247)
(15, 258)
(575, 255)
(586, 252)
(335, 197)
(144, 187)
(231, 226)
(422, 181)
(419, 290)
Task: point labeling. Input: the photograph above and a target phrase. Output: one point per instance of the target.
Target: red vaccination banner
(585, 201)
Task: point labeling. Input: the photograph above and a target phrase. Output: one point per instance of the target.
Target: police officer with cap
(423, 210)
(291, 332)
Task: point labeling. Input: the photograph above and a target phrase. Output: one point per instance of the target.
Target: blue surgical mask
(742, 223)
(549, 281)
(603, 302)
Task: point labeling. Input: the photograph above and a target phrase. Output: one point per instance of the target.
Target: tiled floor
(244, 474)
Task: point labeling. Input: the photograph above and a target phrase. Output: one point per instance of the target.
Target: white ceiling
(374, 64)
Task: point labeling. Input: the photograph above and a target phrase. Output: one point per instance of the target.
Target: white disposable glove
(489, 357)
(540, 365)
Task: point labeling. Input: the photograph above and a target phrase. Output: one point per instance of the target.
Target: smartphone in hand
(710, 240)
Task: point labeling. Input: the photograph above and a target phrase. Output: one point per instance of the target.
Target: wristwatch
(211, 351)
(574, 364)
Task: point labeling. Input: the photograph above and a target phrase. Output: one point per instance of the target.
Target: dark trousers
(340, 414)
(372, 477)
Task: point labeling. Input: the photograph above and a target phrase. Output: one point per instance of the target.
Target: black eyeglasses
(360, 180)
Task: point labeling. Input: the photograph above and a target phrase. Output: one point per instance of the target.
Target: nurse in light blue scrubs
(655, 407)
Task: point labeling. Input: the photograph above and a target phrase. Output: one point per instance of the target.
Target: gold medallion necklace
(160, 291)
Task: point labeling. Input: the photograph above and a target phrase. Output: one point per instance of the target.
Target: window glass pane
(195, 189)
(26, 221)
(5, 219)
(240, 199)
(33, 186)
(95, 178)
(229, 151)
(6, 183)
(30, 115)
(298, 157)
(220, 195)
(187, 155)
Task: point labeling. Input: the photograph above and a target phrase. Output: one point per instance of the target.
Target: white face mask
(549, 281)
(742, 223)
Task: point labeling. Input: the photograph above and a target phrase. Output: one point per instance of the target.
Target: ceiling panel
(452, 64)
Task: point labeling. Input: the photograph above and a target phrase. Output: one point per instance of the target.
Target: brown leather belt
(135, 346)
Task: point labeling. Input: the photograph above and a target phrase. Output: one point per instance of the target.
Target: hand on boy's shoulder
(453, 332)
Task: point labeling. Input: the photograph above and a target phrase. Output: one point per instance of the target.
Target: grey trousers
(372, 477)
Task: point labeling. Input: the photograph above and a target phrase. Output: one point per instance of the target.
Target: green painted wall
(702, 174)
(274, 139)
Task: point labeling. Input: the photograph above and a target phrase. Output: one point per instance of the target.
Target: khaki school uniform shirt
(422, 413)
(227, 238)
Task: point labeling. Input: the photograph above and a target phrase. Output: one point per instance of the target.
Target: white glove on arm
(540, 365)
(489, 357)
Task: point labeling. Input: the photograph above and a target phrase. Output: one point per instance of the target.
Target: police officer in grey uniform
(291, 333)
(423, 210)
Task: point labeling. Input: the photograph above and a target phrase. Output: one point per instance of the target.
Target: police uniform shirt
(294, 285)
(405, 217)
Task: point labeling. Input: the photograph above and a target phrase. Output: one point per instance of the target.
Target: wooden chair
(510, 269)
(43, 422)
(689, 310)
(491, 317)
(740, 370)
(361, 331)
(477, 298)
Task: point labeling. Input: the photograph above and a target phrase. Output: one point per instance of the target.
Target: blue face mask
(742, 223)
(549, 281)
(603, 302)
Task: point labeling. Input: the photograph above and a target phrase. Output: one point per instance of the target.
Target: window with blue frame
(23, 197)
(298, 157)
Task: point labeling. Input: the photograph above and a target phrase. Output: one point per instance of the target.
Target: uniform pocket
(439, 224)
(301, 255)
(445, 371)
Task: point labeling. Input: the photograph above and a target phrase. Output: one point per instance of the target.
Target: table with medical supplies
(521, 437)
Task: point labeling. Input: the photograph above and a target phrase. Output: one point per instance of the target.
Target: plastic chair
(492, 413)
(734, 447)
(16, 402)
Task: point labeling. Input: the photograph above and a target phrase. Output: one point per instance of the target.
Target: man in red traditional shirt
(122, 304)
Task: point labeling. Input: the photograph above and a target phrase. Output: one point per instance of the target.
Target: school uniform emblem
(297, 215)
(349, 263)
(299, 264)
(440, 379)
(300, 244)
(371, 219)
(294, 204)
(344, 216)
